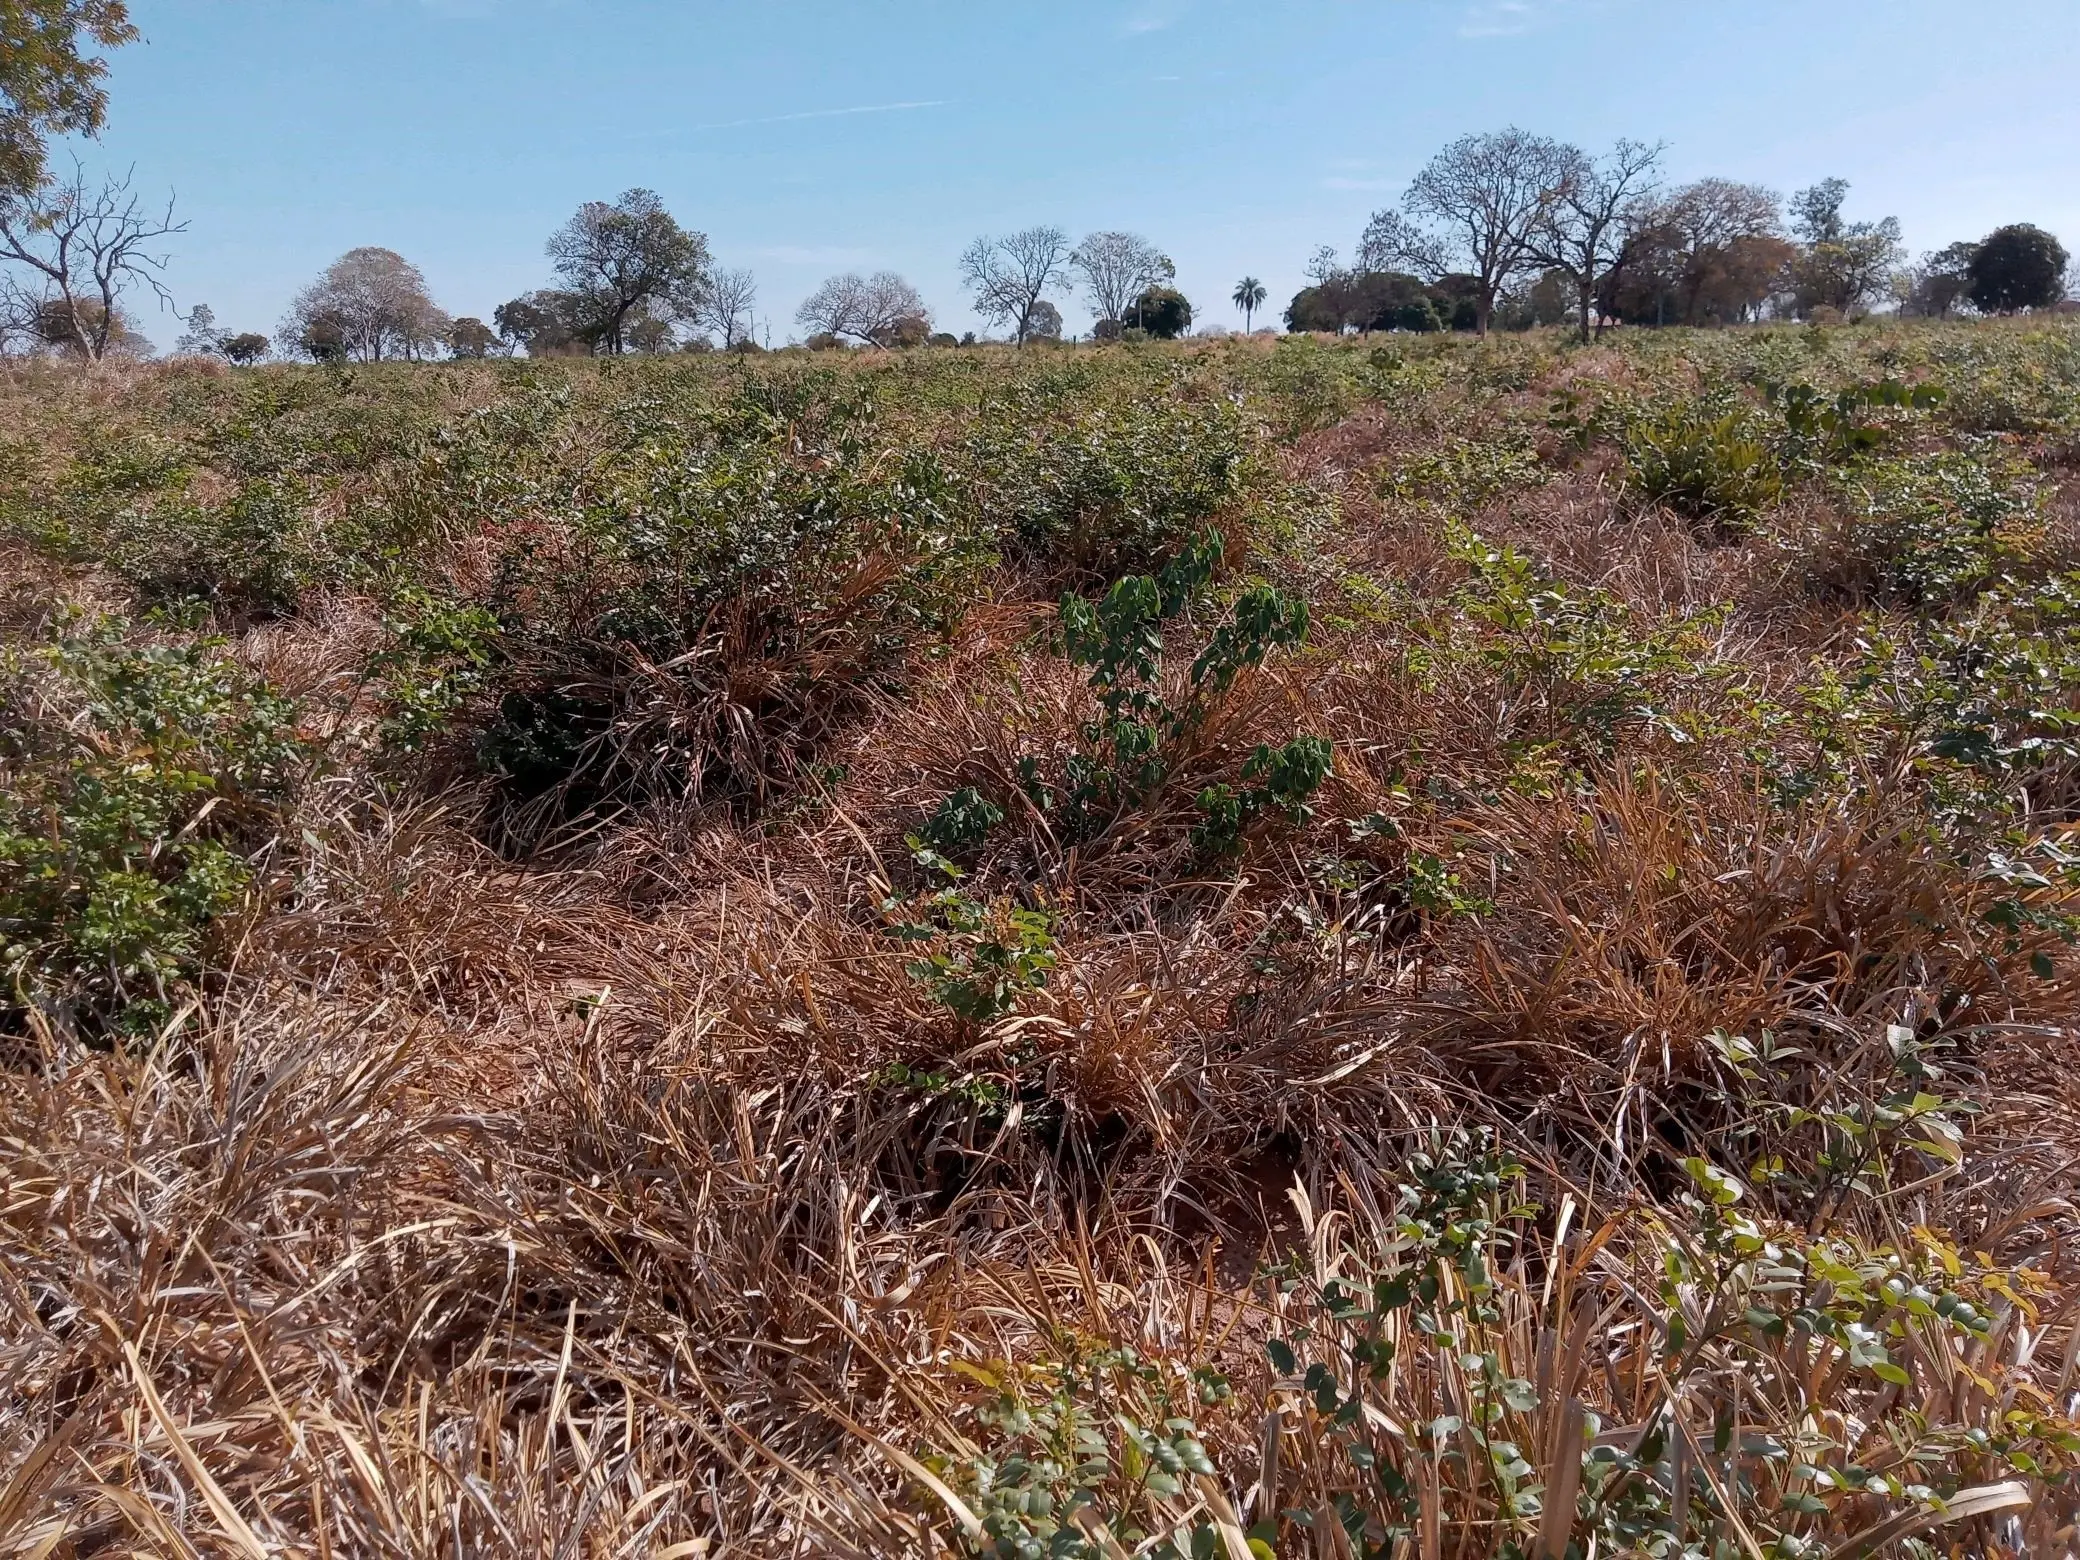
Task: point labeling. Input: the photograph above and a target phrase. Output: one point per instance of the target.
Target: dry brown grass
(586, 1204)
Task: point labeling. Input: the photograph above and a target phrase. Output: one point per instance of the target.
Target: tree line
(1505, 229)
(1520, 229)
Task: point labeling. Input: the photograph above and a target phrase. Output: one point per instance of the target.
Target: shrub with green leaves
(1821, 430)
(1575, 652)
(1107, 486)
(131, 779)
(1704, 463)
(1929, 531)
(717, 590)
(975, 956)
(1129, 750)
(1089, 1453)
(1688, 1382)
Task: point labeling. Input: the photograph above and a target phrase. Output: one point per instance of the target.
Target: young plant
(978, 956)
(1128, 749)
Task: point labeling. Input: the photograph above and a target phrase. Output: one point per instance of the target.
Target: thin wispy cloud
(827, 113)
(1501, 18)
(1153, 16)
(1343, 181)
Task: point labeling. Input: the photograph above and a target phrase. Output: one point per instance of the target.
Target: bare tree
(1390, 243)
(869, 309)
(726, 305)
(1118, 268)
(1583, 232)
(370, 304)
(1490, 194)
(1010, 276)
(80, 249)
(630, 259)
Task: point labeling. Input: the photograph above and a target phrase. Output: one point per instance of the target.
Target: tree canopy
(370, 304)
(50, 84)
(1010, 277)
(1116, 268)
(629, 259)
(1479, 204)
(1844, 263)
(1164, 312)
(880, 310)
(2015, 268)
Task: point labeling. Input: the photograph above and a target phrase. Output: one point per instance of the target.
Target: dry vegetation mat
(1351, 948)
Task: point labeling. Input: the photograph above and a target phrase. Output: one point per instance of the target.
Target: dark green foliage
(1926, 530)
(1574, 653)
(2015, 268)
(246, 347)
(1704, 463)
(1164, 312)
(961, 824)
(1280, 779)
(1372, 300)
(443, 653)
(132, 777)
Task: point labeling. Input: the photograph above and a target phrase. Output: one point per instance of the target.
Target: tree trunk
(1588, 304)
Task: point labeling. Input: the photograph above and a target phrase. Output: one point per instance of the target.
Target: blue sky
(807, 136)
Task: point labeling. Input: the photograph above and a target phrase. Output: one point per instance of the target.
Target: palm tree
(1249, 297)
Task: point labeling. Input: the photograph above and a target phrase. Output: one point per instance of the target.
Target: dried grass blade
(1563, 1483)
(213, 1496)
(1980, 1502)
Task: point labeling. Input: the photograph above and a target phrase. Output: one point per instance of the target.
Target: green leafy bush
(1576, 652)
(716, 595)
(1931, 530)
(132, 775)
(1821, 430)
(1703, 463)
(1109, 487)
(1129, 750)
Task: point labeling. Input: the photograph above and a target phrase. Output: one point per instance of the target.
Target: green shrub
(1703, 465)
(1129, 750)
(1821, 430)
(722, 585)
(1930, 531)
(1575, 652)
(1111, 488)
(132, 776)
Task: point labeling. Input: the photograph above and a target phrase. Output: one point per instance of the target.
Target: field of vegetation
(1375, 947)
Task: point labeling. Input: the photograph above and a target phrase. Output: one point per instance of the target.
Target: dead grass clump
(1558, 1047)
